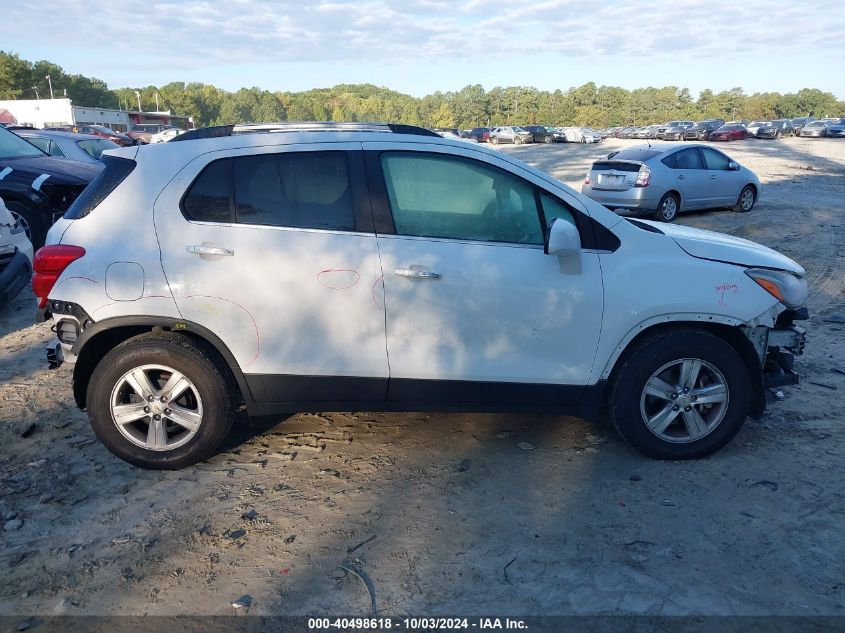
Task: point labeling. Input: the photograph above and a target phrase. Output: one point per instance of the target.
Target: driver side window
(435, 195)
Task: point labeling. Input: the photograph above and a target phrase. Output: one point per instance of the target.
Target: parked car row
(721, 130)
(518, 134)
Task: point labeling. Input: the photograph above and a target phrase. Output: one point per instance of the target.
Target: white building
(41, 113)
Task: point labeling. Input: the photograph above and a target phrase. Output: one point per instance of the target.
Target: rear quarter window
(209, 198)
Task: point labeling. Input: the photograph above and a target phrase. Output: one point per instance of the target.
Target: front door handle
(206, 249)
(413, 273)
(712, 177)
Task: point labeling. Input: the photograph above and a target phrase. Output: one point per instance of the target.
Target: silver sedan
(664, 180)
(85, 148)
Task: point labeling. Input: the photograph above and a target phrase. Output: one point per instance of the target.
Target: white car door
(275, 253)
(476, 311)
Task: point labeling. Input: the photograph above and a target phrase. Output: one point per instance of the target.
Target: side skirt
(281, 394)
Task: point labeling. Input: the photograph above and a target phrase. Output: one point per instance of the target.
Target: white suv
(375, 267)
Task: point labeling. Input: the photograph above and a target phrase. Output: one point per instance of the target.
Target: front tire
(668, 207)
(746, 200)
(161, 401)
(680, 394)
(495, 140)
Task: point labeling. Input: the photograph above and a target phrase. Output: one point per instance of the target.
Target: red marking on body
(93, 281)
(249, 314)
(375, 283)
(339, 270)
(723, 289)
(105, 305)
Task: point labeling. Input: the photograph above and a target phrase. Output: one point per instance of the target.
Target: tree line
(586, 105)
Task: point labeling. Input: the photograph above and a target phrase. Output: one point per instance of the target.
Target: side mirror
(733, 166)
(563, 239)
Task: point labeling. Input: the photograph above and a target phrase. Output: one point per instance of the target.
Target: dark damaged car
(38, 188)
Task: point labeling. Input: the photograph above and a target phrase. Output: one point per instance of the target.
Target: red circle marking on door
(338, 278)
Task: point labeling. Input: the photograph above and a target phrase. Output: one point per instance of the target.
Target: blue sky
(419, 46)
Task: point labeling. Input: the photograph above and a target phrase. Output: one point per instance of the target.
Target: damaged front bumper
(778, 346)
(783, 346)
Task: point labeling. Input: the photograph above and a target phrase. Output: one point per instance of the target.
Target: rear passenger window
(306, 189)
(445, 196)
(209, 198)
(688, 159)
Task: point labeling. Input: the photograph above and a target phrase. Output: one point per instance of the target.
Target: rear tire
(32, 222)
(746, 200)
(668, 207)
(495, 140)
(650, 409)
(207, 404)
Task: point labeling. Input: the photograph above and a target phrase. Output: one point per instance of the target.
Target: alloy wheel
(746, 201)
(684, 400)
(156, 407)
(669, 209)
(23, 223)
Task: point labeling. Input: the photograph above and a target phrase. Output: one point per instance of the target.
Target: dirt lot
(460, 513)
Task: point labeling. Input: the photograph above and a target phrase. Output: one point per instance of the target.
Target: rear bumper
(636, 198)
(16, 274)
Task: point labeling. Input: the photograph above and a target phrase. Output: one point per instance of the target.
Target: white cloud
(207, 33)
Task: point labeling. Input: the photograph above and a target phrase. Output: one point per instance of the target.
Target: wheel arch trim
(727, 328)
(680, 318)
(132, 326)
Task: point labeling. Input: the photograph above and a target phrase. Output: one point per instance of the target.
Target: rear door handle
(413, 273)
(207, 249)
(713, 177)
(681, 176)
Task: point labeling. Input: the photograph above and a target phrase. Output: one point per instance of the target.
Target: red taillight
(587, 178)
(643, 177)
(49, 263)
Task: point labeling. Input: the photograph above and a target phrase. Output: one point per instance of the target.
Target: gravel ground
(474, 514)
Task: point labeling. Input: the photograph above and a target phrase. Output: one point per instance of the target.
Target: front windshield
(815, 124)
(13, 146)
(759, 123)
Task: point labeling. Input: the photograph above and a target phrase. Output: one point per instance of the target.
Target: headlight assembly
(783, 286)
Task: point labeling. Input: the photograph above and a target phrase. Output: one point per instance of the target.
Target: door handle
(205, 249)
(681, 176)
(712, 177)
(412, 273)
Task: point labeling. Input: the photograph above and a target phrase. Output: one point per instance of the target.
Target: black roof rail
(215, 131)
(301, 126)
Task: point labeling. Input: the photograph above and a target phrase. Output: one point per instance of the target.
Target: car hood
(60, 170)
(726, 248)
